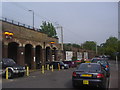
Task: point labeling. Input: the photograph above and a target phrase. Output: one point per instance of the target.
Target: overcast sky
(81, 21)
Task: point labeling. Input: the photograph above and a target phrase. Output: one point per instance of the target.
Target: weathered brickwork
(32, 48)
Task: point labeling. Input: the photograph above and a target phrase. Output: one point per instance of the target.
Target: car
(89, 74)
(55, 65)
(13, 68)
(70, 63)
(104, 64)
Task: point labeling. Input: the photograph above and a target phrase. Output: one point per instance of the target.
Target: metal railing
(19, 23)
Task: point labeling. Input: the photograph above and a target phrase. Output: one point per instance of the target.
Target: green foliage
(109, 47)
(76, 45)
(119, 50)
(69, 46)
(48, 29)
(89, 45)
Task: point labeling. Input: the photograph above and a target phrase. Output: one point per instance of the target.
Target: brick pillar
(5, 51)
(50, 55)
(43, 56)
(33, 63)
(21, 55)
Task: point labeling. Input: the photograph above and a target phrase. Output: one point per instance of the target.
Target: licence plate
(85, 82)
(86, 75)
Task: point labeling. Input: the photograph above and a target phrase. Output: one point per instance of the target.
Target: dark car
(89, 74)
(13, 68)
(104, 64)
(70, 63)
(55, 65)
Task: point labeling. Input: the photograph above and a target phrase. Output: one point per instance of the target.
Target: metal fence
(19, 23)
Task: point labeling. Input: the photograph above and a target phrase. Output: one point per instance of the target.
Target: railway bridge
(28, 46)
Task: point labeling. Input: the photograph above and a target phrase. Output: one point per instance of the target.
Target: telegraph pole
(61, 38)
(62, 53)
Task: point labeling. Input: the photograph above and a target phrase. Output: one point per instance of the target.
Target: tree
(119, 50)
(89, 45)
(69, 46)
(48, 29)
(109, 47)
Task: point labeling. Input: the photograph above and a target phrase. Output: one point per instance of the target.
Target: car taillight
(100, 76)
(107, 66)
(74, 74)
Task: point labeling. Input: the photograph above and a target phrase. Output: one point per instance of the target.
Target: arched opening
(38, 59)
(47, 54)
(54, 53)
(28, 55)
(13, 50)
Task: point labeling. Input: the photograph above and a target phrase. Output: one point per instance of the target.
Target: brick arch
(39, 44)
(54, 46)
(29, 42)
(48, 45)
(16, 41)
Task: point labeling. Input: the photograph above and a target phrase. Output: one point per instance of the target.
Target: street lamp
(33, 17)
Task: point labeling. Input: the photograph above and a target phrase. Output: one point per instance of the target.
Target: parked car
(70, 63)
(89, 74)
(13, 68)
(104, 64)
(62, 65)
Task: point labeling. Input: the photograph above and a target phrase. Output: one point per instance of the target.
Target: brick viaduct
(28, 46)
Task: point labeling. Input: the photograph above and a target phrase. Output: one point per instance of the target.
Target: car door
(105, 76)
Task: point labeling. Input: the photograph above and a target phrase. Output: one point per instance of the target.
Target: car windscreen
(8, 61)
(66, 62)
(61, 63)
(89, 67)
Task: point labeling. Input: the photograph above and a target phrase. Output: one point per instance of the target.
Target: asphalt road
(56, 79)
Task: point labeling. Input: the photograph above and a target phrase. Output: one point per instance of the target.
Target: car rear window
(95, 60)
(99, 61)
(103, 62)
(89, 67)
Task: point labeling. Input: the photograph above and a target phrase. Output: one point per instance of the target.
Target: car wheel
(108, 75)
(22, 74)
(74, 85)
(62, 67)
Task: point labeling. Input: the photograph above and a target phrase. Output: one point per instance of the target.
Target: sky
(81, 21)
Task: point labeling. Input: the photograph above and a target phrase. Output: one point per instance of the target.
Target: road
(56, 79)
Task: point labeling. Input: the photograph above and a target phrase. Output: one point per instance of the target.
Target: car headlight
(23, 67)
(15, 68)
(66, 65)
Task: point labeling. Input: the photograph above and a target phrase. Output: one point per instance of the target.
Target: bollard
(43, 69)
(52, 68)
(27, 71)
(47, 66)
(6, 73)
(58, 66)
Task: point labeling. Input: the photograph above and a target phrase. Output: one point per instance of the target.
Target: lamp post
(33, 17)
